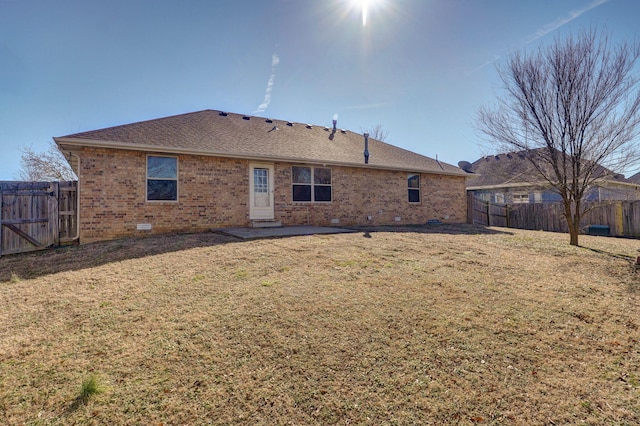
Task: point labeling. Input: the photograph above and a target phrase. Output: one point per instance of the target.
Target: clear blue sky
(419, 68)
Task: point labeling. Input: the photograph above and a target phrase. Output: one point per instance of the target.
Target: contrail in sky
(275, 60)
(546, 29)
(543, 31)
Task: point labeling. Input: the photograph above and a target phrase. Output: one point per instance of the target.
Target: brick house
(211, 169)
(510, 178)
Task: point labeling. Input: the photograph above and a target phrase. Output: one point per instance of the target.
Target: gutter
(77, 196)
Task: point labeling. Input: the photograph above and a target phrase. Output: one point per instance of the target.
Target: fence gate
(29, 215)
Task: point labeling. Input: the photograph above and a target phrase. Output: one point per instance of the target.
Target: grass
(441, 325)
(91, 387)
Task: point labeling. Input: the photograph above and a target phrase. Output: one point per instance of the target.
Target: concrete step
(266, 224)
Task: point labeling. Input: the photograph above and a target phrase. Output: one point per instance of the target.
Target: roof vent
(497, 157)
(343, 131)
(289, 123)
(366, 148)
(273, 129)
(509, 155)
(246, 117)
(326, 129)
(309, 126)
(222, 113)
(268, 120)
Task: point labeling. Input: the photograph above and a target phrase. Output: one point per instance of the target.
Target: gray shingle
(210, 132)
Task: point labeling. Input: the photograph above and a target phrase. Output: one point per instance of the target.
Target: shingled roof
(514, 169)
(223, 134)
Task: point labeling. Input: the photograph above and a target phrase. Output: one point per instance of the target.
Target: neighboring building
(511, 179)
(211, 169)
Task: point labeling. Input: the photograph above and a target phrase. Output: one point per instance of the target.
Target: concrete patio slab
(278, 232)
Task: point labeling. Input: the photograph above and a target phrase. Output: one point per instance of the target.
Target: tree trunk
(574, 229)
(573, 221)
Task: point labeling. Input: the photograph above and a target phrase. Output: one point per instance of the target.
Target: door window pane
(261, 181)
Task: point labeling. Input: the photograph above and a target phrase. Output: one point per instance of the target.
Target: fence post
(488, 213)
(619, 228)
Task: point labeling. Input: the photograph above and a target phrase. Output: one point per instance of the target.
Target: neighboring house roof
(221, 134)
(634, 178)
(515, 170)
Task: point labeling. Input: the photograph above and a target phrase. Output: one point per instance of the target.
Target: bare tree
(50, 165)
(376, 132)
(574, 108)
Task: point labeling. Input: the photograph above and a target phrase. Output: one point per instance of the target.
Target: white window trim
(147, 177)
(520, 197)
(419, 188)
(312, 184)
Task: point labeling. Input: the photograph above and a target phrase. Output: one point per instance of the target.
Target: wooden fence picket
(621, 217)
(30, 215)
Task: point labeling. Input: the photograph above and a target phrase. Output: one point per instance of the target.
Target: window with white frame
(499, 197)
(311, 184)
(162, 178)
(520, 197)
(413, 183)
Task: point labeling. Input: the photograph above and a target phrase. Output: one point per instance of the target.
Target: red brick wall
(214, 193)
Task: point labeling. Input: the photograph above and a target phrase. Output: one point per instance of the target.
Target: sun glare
(365, 7)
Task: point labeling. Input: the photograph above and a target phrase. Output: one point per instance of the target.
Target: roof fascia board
(67, 143)
(603, 183)
(506, 186)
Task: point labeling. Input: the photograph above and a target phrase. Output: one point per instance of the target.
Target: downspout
(77, 198)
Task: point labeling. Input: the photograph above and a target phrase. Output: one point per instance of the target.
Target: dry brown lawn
(443, 325)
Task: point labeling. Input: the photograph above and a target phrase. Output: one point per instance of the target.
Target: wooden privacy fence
(37, 215)
(616, 218)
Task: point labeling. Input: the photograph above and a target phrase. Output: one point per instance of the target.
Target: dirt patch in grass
(461, 325)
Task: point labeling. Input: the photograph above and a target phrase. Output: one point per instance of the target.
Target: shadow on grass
(633, 284)
(628, 258)
(76, 405)
(72, 258)
(452, 229)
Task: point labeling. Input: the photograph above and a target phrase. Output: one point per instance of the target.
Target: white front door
(261, 191)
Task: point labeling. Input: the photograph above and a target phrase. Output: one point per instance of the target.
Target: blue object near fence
(601, 230)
